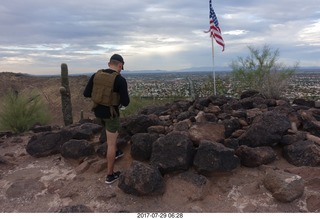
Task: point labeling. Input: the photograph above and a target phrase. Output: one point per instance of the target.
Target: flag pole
(213, 68)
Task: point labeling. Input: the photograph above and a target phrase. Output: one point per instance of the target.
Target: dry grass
(48, 88)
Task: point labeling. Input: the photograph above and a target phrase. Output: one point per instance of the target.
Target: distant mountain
(301, 69)
(203, 69)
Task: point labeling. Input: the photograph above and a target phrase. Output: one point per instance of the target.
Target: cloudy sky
(38, 35)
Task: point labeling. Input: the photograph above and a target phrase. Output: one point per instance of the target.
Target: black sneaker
(119, 154)
(113, 177)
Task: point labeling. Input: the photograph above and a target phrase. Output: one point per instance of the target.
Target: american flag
(214, 27)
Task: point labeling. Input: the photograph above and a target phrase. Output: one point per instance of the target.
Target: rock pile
(213, 134)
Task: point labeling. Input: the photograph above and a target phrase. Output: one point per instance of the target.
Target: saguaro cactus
(65, 96)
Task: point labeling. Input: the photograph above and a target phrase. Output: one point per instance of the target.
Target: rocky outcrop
(209, 135)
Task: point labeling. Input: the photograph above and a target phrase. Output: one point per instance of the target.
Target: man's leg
(111, 151)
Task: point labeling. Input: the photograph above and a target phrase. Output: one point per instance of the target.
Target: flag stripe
(215, 31)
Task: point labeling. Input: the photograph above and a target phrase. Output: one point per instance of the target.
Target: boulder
(139, 124)
(141, 179)
(85, 131)
(187, 186)
(172, 152)
(47, 143)
(76, 149)
(284, 187)
(207, 131)
(266, 129)
(141, 145)
(254, 157)
(302, 153)
(214, 157)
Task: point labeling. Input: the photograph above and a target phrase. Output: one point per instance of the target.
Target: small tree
(261, 71)
(19, 112)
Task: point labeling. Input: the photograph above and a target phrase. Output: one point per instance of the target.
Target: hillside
(48, 88)
(55, 183)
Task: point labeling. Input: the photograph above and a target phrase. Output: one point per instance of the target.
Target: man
(108, 91)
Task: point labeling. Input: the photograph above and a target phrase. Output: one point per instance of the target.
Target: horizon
(313, 69)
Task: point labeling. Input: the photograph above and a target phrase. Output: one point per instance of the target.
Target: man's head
(116, 62)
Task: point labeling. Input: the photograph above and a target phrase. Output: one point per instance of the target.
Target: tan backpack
(102, 92)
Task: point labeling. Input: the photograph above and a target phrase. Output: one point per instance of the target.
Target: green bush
(222, 86)
(261, 71)
(19, 112)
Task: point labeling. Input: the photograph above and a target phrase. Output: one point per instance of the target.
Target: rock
(141, 145)
(75, 209)
(266, 129)
(48, 143)
(313, 203)
(317, 104)
(102, 150)
(157, 129)
(254, 157)
(253, 113)
(201, 103)
(3, 160)
(182, 126)
(220, 100)
(99, 166)
(25, 189)
(139, 124)
(207, 131)
(214, 157)
(231, 125)
(253, 102)
(172, 152)
(212, 109)
(76, 149)
(184, 115)
(302, 153)
(188, 186)
(292, 138)
(141, 179)
(302, 102)
(41, 128)
(248, 93)
(83, 167)
(284, 187)
(85, 131)
(232, 143)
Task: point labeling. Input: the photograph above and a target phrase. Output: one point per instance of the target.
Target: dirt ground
(48, 184)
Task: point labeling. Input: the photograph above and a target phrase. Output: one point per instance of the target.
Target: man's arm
(122, 87)
(88, 90)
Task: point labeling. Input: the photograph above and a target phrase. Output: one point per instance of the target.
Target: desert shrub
(222, 86)
(261, 71)
(19, 112)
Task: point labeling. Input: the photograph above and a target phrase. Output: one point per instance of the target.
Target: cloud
(38, 35)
